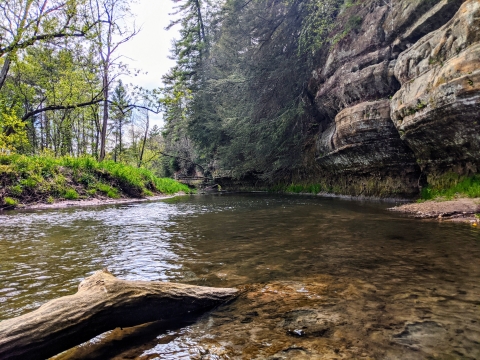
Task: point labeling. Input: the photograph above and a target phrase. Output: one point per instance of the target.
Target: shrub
(108, 190)
(29, 182)
(16, 190)
(10, 201)
(87, 179)
(70, 194)
(147, 192)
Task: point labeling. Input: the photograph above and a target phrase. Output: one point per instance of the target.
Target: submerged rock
(339, 318)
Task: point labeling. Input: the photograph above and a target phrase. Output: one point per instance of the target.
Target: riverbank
(458, 210)
(63, 204)
(41, 182)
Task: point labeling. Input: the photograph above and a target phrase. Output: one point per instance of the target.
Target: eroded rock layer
(364, 147)
(398, 98)
(437, 108)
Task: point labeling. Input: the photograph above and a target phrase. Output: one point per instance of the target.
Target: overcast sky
(149, 49)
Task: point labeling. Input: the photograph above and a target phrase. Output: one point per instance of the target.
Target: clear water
(235, 240)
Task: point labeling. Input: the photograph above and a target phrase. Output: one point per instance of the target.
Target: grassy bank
(33, 179)
(452, 186)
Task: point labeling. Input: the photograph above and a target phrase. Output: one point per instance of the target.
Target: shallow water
(423, 275)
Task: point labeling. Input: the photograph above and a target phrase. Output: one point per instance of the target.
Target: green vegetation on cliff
(450, 186)
(298, 188)
(25, 179)
(236, 101)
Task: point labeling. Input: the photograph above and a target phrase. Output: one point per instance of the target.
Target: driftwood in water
(102, 303)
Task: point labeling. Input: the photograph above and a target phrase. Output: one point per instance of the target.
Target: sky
(150, 48)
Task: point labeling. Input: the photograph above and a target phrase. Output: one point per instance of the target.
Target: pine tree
(121, 116)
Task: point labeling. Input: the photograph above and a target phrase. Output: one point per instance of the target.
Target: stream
(322, 278)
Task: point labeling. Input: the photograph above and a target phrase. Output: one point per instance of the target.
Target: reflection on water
(233, 240)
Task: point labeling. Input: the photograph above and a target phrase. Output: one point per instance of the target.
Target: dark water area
(403, 288)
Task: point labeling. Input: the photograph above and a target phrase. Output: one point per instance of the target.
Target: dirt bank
(462, 210)
(98, 201)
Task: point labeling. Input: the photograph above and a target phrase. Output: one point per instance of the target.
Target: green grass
(91, 192)
(453, 186)
(148, 193)
(39, 178)
(297, 189)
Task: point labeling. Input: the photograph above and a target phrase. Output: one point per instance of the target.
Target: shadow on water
(129, 342)
(325, 278)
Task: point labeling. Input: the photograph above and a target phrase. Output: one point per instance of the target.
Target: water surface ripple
(232, 240)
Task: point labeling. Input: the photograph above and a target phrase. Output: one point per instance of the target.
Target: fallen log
(102, 303)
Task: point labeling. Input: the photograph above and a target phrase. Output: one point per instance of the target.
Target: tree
(120, 116)
(189, 49)
(62, 60)
(242, 100)
(111, 31)
(186, 78)
(25, 22)
(242, 103)
(13, 135)
(144, 140)
(52, 87)
(317, 24)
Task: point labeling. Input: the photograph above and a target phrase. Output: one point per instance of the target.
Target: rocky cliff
(397, 99)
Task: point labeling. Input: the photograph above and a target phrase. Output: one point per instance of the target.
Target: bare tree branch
(59, 107)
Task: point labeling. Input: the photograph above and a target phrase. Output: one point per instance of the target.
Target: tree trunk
(147, 125)
(103, 139)
(115, 147)
(48, 135)
(4, 71)
(120, 130)
(200, 20)
(97, 133)
(102, 303)
(42, 142)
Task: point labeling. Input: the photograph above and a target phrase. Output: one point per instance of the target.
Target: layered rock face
(366, 153)
(398, 100)
(437, 109)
